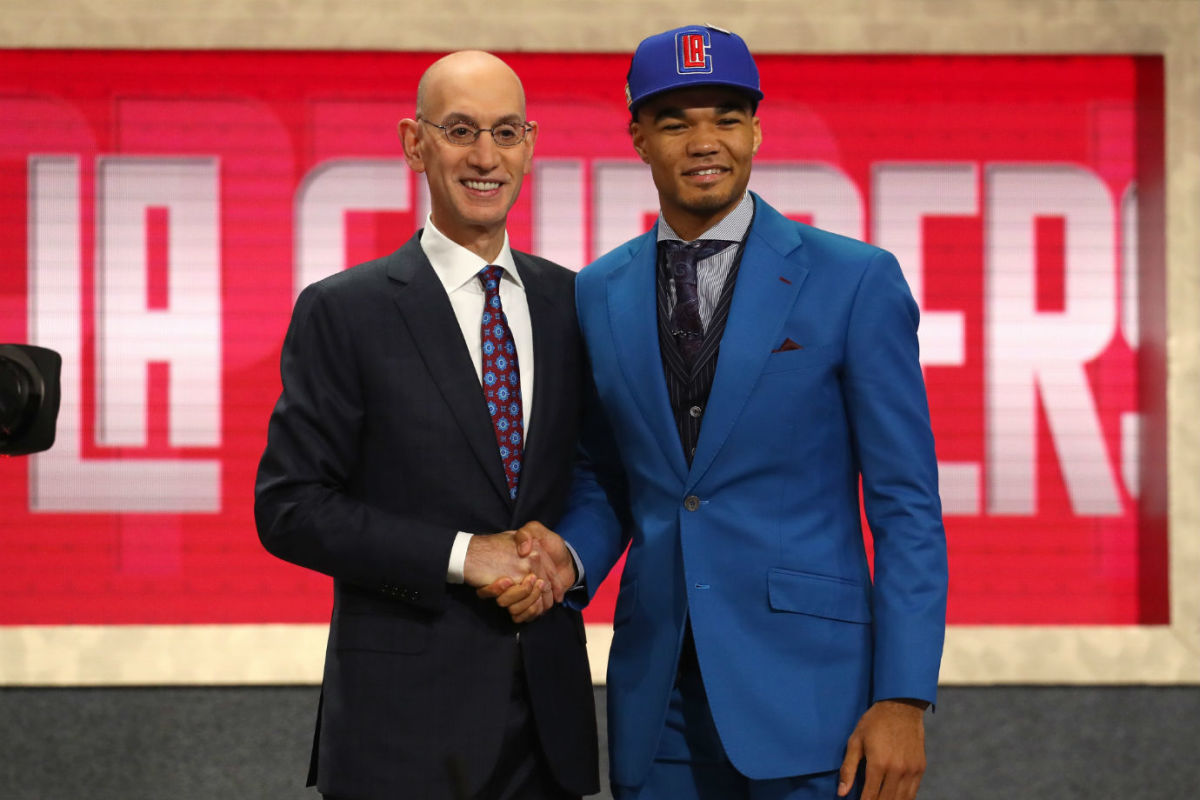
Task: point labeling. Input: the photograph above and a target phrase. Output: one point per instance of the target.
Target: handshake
(525, 571)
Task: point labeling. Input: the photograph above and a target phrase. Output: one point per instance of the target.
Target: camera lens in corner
(29, 398)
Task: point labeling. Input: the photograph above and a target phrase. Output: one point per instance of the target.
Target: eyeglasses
(464, 134)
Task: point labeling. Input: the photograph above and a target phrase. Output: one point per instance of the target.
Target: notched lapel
(633, 314)
(425, 310)
(546, 321)
(769, 279)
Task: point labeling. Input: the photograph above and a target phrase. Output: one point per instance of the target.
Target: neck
(482, 241)
(689, 225)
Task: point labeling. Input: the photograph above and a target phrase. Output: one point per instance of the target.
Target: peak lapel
(425, 310)
(761, 303)
(633, 313)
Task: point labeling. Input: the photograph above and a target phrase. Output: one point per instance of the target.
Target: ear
(530, 141)
(638, 137)
(410, 139)
(757, 135)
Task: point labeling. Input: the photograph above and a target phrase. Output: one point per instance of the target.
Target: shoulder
(360, 277)
(831, 258)
(844, 246)
(616, 258)
(344, 295)
(359, 293)
(370, 277)
(787, 234)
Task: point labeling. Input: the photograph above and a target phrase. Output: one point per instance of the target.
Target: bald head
(464, 68)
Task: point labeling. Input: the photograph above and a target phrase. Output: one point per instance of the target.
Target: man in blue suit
(749, 372)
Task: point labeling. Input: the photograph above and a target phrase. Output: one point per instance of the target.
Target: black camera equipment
(29, 395)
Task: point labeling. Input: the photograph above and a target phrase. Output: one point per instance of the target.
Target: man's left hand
(525, 600)
(891, 737)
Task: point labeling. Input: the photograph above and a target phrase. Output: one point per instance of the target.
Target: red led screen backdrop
(159, 212)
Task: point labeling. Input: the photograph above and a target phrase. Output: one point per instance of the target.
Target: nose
(703, 141)
(484, 153)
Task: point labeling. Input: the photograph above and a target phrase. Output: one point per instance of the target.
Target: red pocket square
(788, 344)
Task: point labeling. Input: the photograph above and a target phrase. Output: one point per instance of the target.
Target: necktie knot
(681, 254)
(490, 276)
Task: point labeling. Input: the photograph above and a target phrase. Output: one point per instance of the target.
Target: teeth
(483, 186)
(712, 171)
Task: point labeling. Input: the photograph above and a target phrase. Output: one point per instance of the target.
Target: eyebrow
(458, 116)
(674, 112)
(726, 108)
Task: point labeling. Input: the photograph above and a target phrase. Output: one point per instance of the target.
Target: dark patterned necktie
(501, 378)
(681, 259)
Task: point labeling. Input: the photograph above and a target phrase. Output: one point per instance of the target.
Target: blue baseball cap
(695, 55)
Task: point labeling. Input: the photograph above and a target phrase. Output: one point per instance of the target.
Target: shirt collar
(732, 228)
(456, 266)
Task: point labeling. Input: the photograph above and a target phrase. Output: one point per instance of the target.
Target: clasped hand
(525, 571)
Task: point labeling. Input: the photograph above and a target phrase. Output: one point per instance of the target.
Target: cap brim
(754, 94)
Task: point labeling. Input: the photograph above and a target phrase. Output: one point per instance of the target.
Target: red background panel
(269, 119)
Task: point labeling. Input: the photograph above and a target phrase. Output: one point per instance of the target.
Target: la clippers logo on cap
(691, 54)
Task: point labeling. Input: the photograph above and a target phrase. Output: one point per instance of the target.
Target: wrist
(918, 706)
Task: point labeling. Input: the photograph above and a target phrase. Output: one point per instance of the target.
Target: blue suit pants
(691, 764)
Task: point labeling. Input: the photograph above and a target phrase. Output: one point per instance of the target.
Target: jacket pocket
(381, 634)
(819, 596)
(805, 358)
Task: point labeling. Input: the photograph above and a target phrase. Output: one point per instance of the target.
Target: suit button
(691, 503)
(695, 412)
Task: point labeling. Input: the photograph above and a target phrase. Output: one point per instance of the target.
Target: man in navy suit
(430, 406)
(749, 373)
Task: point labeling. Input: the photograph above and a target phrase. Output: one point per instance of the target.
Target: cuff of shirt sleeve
(458, 558)
(578, 566)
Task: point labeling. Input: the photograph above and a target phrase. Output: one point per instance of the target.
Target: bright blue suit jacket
(760, 540)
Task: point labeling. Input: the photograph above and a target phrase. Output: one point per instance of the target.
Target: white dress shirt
(457, 269)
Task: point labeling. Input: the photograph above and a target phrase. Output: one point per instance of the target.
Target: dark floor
(1006, 743)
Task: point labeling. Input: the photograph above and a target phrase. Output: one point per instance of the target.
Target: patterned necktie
(501, 378)
(681, 260)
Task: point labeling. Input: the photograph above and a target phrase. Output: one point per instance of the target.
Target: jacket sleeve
(306, 508)
(893, 443)
(597, 522)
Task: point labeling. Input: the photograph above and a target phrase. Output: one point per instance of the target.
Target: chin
(707, 204)
(481, 213)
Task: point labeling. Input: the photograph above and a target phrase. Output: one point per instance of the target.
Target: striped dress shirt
(712, 272)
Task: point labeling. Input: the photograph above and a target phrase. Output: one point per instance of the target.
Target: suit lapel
(633, 312)
(544, 317)
(768, 281)
(425, 309)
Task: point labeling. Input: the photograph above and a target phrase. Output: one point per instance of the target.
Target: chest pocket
(804, 358)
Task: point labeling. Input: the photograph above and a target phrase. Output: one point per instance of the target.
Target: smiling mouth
(705, 172)
(482, 186)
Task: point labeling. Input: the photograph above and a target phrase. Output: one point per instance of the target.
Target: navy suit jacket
(379, 450)
(759, 541)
